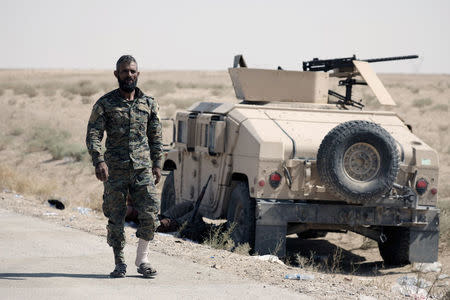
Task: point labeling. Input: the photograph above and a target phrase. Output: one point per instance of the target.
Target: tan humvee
(290, 160)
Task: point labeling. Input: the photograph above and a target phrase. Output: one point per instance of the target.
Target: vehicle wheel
(168, 193)
(241, 213)
(311, 234)
(395, 250)
(358, 161)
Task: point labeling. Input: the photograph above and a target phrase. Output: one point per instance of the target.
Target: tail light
(274, 180)
(421, 186)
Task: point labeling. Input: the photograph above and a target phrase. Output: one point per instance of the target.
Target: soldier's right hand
(101, 171)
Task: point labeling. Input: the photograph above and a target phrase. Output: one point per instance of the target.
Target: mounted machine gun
(348, 68)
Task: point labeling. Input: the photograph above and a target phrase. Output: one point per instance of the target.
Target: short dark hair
(125, 59)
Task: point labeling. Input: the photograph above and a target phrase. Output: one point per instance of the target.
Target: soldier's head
(127, 73)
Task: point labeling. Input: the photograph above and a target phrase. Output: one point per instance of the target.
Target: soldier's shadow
(24, 276)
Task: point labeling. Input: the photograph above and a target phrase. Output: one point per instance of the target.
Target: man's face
(127, 75)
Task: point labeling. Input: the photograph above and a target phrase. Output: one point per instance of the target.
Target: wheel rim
(361, 162)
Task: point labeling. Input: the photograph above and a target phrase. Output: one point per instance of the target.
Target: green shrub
(414, 90)
(186, 85)
(191, 85)
(85, 88)
(17, 131)
(422, 102)
(4, 141)
(217, 92)
(44, 138)
(86, 100)
(179, 103)
(24, 89)
(49, 92)
(440, 107)
(68, 95)
(159, 88)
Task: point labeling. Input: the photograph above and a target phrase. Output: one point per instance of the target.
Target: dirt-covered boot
(119, 271)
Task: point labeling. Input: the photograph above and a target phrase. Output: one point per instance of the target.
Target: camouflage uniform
(133, 139)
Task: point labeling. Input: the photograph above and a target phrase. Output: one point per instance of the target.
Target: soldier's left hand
(157, 174)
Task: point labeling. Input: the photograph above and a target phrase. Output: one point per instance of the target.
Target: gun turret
(347, 67)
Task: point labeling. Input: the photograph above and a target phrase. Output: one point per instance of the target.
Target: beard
(126, 86)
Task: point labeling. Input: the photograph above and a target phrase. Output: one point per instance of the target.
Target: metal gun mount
(349, 67)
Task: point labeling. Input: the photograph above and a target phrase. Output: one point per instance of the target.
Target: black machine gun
(199, 201)
(344, 67)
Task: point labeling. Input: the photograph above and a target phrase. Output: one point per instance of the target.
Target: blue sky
(205, 35)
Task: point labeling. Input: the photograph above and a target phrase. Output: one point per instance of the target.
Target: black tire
(395, 250)
(168, 193)
(311, 234)
(358, 161)
(241, 213)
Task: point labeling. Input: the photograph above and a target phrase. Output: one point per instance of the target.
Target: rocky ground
(367, 279)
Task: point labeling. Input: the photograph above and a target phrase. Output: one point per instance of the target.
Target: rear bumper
(272, 218)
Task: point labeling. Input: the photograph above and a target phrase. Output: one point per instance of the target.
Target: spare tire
(358, 161)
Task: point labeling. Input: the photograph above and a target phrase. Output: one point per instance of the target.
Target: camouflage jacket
(133, 131)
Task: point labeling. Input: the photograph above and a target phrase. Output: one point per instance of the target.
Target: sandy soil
(29, 176)
(366, 277)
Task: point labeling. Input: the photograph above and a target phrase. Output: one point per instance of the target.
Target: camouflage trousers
(140, 185)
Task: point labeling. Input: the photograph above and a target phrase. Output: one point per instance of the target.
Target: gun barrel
(330, 64)
(199, 200)
(372, 60)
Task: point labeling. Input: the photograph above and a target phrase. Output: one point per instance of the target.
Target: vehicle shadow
(327, 257)
(23, 276)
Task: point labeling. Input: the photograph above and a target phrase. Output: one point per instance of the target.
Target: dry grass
(94, 201)
(23, 184)
(308, 263)
(334, 263)
(444, 225)
(219, 237)
(242, 249)
(46, 138)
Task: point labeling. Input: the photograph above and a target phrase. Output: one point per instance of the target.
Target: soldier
(130, 119)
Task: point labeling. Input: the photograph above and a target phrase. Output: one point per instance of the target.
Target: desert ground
(42, 156)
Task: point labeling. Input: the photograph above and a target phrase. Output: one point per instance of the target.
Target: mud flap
(424, 242)
(270, 229)
(270, 239)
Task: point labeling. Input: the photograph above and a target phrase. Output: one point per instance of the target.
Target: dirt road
(40, 260)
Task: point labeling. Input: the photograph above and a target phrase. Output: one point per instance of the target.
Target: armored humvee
(295, 157)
